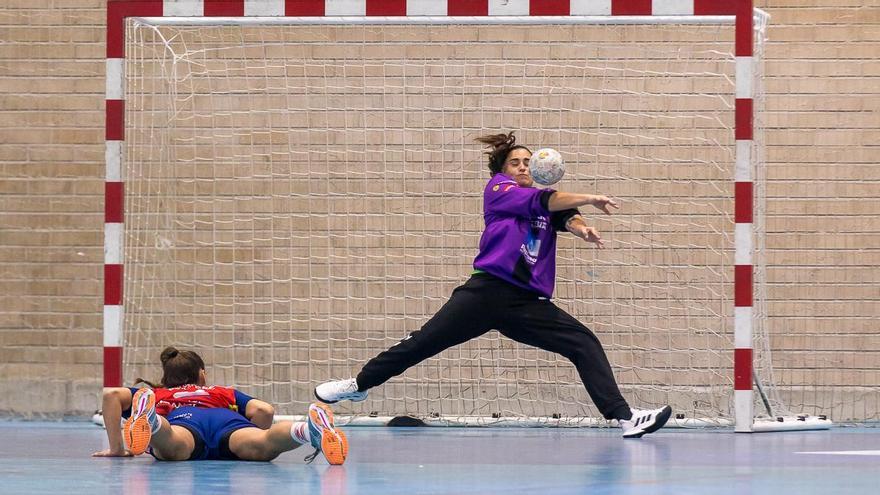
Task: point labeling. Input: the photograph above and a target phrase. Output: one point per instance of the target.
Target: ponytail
(138, 381)
(502, 145)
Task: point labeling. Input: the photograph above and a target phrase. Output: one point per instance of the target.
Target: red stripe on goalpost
(743, 119)
(715, 7)
(112, 285)
(112, 366)
(114, 200)
(744, 26)
(224, 8)
(467, 7)
(631, 7)
(742, 286)
(117, 11)
(304, 8)
(114, 120)
(742, 202)
(742, 369)
(386, 7)
(549, 7)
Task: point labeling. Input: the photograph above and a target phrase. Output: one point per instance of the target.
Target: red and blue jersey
(215, 396)
(519, 242)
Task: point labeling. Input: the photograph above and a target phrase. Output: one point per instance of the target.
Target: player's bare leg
(172, 442)
(254, 444)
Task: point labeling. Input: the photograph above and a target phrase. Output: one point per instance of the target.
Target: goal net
(299, 197)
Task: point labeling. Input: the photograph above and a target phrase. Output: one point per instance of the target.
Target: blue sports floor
(54, 458)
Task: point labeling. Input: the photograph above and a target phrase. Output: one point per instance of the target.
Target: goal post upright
(743, 285)
(739, 11)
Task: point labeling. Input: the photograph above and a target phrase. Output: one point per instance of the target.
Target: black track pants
(484, 303)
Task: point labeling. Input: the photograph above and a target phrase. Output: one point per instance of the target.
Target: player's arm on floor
(115, 400)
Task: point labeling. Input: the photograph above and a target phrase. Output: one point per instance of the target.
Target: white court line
(845, 452)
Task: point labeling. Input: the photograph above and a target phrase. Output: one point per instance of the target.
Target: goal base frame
(780, 424)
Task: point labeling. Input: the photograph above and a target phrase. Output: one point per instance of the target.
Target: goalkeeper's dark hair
(178, 368)
(502, 145)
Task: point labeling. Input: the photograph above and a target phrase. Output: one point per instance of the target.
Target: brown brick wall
(51, 205)
(822, 134)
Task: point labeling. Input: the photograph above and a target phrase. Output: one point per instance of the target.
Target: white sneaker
(332, 392)
(645, 421)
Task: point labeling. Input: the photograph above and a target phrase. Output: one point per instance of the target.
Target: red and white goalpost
(193, 287)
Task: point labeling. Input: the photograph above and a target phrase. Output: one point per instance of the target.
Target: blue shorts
(211, 429)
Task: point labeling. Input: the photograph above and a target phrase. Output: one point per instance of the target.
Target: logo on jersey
(540, 222)
(188, 394)
(531, 247)
(503, 186)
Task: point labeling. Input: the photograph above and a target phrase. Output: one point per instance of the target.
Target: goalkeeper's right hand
(590, 234)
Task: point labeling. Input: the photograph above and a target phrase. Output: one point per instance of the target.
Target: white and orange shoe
(137, 429)
(325, 438)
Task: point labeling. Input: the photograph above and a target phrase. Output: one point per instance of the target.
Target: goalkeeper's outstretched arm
(563, 201)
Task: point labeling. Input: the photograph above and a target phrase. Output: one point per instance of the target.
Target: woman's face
(517, 166)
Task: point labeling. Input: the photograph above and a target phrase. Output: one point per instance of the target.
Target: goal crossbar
(438, 20)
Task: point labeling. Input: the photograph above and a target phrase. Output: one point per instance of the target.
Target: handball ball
(547, 166)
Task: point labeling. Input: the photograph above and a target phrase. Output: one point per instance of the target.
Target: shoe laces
(311, 457)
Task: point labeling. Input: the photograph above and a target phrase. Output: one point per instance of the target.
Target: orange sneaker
(324, 437)
(136, 431)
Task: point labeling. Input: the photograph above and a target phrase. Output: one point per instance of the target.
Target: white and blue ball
(547, 166)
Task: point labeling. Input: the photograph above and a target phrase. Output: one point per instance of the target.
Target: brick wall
(823, 126)
(51, 205)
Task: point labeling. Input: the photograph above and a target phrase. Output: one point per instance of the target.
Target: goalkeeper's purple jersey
(519, 243)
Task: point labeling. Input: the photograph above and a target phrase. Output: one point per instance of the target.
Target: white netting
(299, 198)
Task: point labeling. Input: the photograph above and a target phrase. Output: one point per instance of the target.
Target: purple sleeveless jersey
(519, 243)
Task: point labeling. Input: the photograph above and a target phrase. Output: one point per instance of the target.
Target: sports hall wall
(822, 129)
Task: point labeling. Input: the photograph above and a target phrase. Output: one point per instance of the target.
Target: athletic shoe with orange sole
(136, 431)
(324, 437)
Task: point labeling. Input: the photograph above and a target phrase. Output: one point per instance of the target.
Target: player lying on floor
(184, 419)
